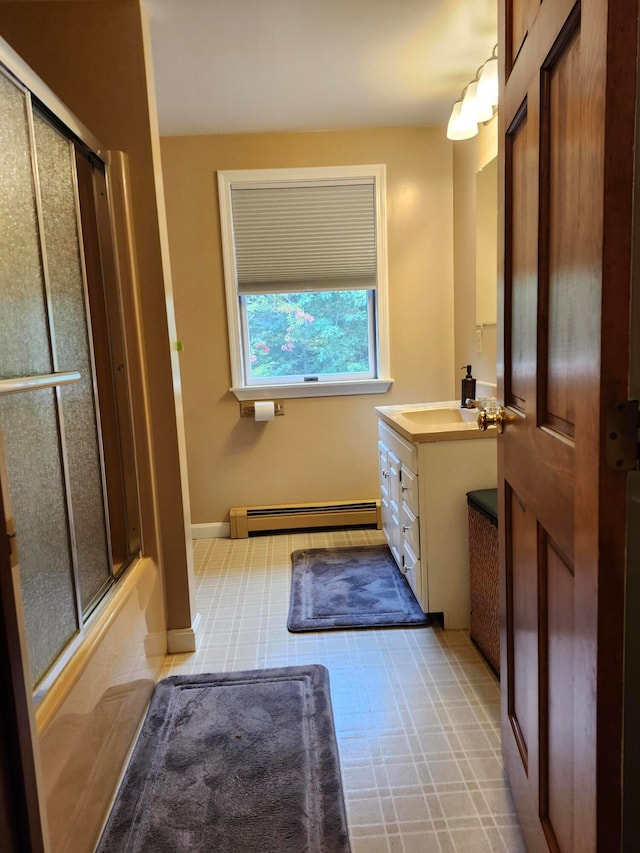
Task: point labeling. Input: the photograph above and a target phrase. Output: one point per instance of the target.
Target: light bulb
(473, 108)
(459, 127)
(487, 90)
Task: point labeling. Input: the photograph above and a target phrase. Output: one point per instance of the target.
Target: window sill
(312, 389)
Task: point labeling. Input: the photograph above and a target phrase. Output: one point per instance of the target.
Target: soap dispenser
(468, 388)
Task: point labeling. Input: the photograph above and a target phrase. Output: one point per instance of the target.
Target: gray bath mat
(357, 587)
(240, 762)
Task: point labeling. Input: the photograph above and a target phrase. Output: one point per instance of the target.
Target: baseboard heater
(260, 519)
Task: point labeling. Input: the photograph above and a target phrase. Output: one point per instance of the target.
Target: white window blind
(306, 236)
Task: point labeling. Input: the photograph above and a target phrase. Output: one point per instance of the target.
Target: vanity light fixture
(477, 102)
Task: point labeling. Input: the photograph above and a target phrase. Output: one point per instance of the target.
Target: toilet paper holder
(248, 410)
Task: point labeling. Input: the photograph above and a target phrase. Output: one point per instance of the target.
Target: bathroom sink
(445, 421)
(430, 417)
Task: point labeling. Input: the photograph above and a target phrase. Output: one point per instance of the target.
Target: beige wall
(468, 157)
(325, 448)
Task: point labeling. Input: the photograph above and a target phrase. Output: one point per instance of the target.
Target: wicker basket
(483, 575)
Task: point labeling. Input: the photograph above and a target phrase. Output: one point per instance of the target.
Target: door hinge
(622, 423)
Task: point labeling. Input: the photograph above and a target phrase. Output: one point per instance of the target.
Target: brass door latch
(496, 418)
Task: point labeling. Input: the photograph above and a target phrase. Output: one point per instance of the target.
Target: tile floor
(416, 710)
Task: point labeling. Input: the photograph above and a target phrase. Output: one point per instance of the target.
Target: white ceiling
(225, 66)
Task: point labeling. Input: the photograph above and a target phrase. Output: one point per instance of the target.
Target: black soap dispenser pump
(468, 388)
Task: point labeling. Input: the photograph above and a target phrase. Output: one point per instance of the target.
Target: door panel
(560, 240)
(22, 824)
(557, 702)
(522, 597)
(71, 344)
(521, 14)
(24, 341)
(29, 427)
(518, 26)
(520, 267)
(567, 136)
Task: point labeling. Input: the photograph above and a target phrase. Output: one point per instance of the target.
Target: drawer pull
(406, 527)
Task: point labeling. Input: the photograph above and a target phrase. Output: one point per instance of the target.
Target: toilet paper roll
(265, 410)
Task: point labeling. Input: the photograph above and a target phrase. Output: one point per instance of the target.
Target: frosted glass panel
(29, 430)
(56, 176)
(24, 337)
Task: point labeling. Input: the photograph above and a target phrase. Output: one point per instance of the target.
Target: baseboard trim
(155, 644)
(183, 640)
(214, 530)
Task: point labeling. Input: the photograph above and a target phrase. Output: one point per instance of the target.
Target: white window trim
(243, 391)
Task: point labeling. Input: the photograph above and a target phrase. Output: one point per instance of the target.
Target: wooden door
(567, 111)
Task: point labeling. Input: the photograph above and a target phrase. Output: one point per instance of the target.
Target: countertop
(403, 420)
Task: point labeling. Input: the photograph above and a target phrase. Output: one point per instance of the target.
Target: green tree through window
(315, 333)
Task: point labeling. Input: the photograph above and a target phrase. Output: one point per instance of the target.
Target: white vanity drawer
(413, 573)
(409, 486)
(410, 528)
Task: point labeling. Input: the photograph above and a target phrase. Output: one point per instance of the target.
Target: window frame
(241, 386)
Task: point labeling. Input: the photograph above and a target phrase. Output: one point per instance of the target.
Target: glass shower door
(51, 441)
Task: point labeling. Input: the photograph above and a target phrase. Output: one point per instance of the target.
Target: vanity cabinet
(399, 504)
(423, 488)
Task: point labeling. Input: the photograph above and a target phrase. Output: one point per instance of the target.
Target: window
(305, 272)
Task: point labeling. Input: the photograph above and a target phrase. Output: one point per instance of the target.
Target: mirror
(487, 244)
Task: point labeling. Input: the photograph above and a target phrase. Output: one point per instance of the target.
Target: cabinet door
(383, 470)
(395, 542)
